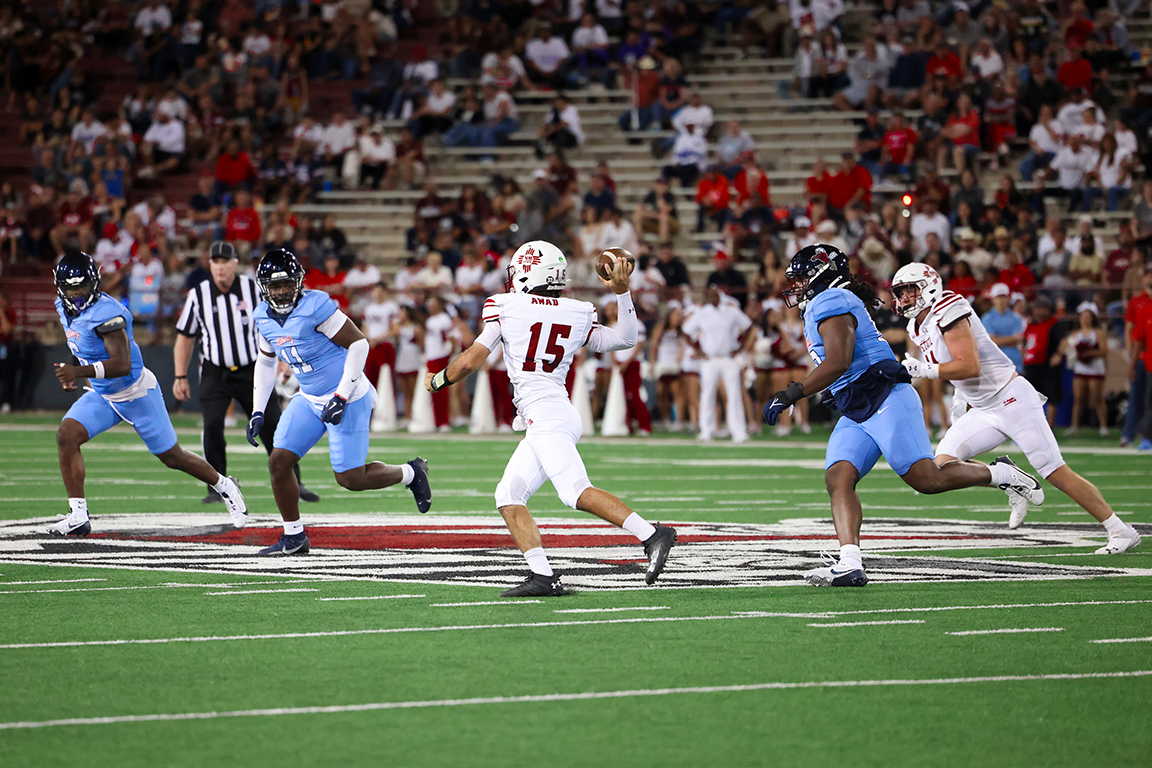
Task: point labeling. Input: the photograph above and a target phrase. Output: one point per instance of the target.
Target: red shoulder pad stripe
(946, 303)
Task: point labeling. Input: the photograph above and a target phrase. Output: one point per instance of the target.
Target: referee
(219, 311)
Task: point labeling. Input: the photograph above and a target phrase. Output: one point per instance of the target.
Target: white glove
(918, 369)
(959, 407)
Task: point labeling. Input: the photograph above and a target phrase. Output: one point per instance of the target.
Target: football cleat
(1022, 484)
(235, 502)
(70, 525)
(537, 585)
(308, 496)
(1127, 540)
(656, 547)
(1019, 510)
(836, 576)
(419, 486)
(296, 544)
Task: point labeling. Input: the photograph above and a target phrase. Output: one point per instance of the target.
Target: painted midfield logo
(589, 555)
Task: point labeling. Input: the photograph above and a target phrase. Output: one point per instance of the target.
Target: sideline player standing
(881, 412)
(326, 352)
(541, 332)
(99, 333)
(718, 330)
(1000, 404)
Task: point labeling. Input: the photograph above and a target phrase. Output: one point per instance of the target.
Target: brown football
(608, 257)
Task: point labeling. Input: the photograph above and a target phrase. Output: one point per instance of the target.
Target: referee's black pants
(218, 388)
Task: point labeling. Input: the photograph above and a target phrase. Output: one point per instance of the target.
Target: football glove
(918, 369)
(783, 399)
(959, 407)
(333, 413)
(255, 424)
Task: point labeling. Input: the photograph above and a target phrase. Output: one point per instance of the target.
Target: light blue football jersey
(83, 335)
(316, 361)
(870, 345)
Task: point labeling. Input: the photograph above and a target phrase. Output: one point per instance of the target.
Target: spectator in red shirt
(944, 62)
(1015, 275)
(1079, 27)
(330, 280)
(963, 134)
(1118, 261)
(932, 186)
(819, 184)
(713, 197)
(853, 184)
(1139, 308)
(896, 146)
(234, 169)
(963, 281)
(74, 227)
(1076, 72)
(1141, 350)
(1039, 348)
(243, 222)
(751, 179)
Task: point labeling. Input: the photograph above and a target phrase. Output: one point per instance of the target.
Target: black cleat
(537, 586)
(308, 496)
(657, 546)
(419, 486)
(296, 544)
(212, 498)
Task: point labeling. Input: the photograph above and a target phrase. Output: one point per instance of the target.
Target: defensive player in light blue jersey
(881, 413)
(326, 352)
(99, 333)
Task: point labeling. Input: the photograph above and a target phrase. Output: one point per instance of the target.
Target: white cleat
(1022, 485)
(235, 502)
(1127, 540)
(837, 576)
(71, 525)
(1019, 506)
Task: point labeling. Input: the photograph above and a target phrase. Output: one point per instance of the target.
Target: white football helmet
(537, 264)
(928, 289)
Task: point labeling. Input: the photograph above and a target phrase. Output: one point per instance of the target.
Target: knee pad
(512, 491)
(569, 496)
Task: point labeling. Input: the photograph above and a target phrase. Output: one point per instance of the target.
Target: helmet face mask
(77, 278)
(281, 280)
(915, 288)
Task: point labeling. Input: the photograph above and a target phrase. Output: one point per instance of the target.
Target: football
(608, 257)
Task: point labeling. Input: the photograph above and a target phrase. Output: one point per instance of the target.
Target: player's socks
(78, 509)
(293, 528)
(850, 556)
(221, 483)
(1001, 474)
(538, 561)
(1114, 525)
(407, 474)
(639, 527)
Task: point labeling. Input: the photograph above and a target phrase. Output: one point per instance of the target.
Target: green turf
(1101, 721)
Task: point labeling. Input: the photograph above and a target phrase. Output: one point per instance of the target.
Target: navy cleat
(296, 544)
(69, 525)
(419, 486)
(836, 576)
(537, 585)
(308, 496)
(656, 547)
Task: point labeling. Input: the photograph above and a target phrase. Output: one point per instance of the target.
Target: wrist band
(932, 371)
(181, 377)
(440, 380)
(98, 367)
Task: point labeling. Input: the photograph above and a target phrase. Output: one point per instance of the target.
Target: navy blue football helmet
(77, 279)
(281, 280)
(813, 270)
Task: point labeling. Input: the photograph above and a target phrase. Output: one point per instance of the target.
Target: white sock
(293, 528)
(1115, 525)
(538, 561)
(639, 527)
(850, 556)
(1001, 474)
(221, 484)
(407, 474)
(79, 508)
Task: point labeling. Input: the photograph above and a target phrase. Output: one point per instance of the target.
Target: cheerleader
(1086, 352)
(408, 330)
(665, 353)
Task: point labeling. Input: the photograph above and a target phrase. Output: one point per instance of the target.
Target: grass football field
(160, 640)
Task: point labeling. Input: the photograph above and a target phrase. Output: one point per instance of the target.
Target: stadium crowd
(1050, 104)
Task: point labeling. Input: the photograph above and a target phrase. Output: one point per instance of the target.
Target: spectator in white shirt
(1112, 176)
(561, 128)
(1070, 166)
(152, 18)
(87, 131)
(377, 152)
(590, 46)
(695, 112)
(154, 211)
(435, 114)
(500, 115)
(986, 62)
(258, 46)
(359, 282)
(717, 331)
(308, 132)
(1044, 141)
(504, 68)
(618, 232)
(163, 145)
(1090, 129)
(1071, 115)
(339, 137)
(175, 106)
(547, 54)
(689, 156)
(435, 277)
(930, 220)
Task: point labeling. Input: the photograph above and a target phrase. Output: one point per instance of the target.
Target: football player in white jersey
(541, 331)
(992, 403)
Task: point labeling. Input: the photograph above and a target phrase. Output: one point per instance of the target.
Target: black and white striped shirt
(223, 321)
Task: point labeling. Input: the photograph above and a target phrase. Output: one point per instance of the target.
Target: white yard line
(869, 623)
(614, 610)
(990, 607)
(259, 591)
(1124, 640)
(170, 585)
(549, 697)
(485, 602)
(1017, 631)
(46, 581)
(368, 597)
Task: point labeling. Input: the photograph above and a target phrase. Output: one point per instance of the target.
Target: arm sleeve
(353, 367)
(489, 337)
(333, 324)
(624, 336)
(263, 378)
(112, 324)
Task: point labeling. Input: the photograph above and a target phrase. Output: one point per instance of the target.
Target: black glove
(333, 413)
(782, 400)
(255, 424)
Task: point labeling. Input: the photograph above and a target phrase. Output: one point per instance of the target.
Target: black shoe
(419, 486)
(212, 498)
(296, 544)
(537, 586)
(308, 496)
(657, 546)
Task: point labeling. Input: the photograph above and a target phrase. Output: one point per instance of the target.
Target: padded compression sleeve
(353, 367)
(623, 336)
(263, 379)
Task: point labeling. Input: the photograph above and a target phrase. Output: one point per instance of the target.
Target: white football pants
(712, 372)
